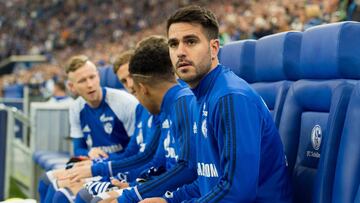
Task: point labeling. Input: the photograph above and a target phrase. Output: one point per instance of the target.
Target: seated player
(101, 121)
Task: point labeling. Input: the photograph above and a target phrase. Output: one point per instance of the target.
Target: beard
(194, 75)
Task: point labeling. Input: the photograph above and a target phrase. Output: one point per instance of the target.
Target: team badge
(108, 128)
(316, 136)
(204, 128)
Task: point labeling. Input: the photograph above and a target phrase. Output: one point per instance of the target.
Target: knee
(96, 200)
(83, 196)
(63, 196)
(44, 183)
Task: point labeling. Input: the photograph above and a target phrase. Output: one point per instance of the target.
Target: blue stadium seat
(347, 175)
(311, 115)
(328, 55)
(357, 199)
(14, 91)
(49, 160)
(239, 57)
(273, 55)
(329, 51)
(219, 53)
(263, 64)
(108, 78)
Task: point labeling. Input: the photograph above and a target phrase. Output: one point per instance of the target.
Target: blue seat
(219, 53)
(329, 51)
(108, 78)
(273, 55)
(311, 116)
(329, 63)
(14, 91)
(239, 57)
(347, 176)
(249, 59)
(49, 160)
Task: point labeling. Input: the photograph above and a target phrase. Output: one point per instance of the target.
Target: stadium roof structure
(7, 65)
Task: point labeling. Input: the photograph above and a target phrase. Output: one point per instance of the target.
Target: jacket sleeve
(131, 149)
(132, 166)
(187, 192)
(169, 181)
(237, 125)
(80, 147)
(182, 173)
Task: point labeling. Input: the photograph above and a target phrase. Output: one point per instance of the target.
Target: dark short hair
(122, 59)
(151, 61)
(61, 85)
(199, 15)
(152, 39)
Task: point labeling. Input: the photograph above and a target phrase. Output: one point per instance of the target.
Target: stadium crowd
(99, 29)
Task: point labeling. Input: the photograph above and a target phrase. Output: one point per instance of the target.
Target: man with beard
(239, 153)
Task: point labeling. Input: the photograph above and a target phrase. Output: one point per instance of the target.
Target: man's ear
(214, 46)
(70, 86)
(144, 88)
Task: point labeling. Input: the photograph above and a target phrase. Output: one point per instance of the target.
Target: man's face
(191, 52)
(85, 81)
(125, 78)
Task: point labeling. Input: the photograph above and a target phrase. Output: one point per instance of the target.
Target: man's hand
(154, 200)
(120, 184)
(58, 173)
(82, 163)
(78, 173)
(73, 186)
(97, 153)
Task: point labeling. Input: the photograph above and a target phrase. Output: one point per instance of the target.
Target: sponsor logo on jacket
(112, 148)
(103, 118)
(207, 170)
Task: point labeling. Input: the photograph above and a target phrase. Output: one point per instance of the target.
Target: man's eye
(191, 42)
(172, 45)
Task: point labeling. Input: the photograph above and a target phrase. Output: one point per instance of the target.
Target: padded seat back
(272, 54)
(239, 57)
(347, 176)
(311, 117)
(108, 78)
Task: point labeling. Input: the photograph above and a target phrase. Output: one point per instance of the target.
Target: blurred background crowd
(102, 29)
